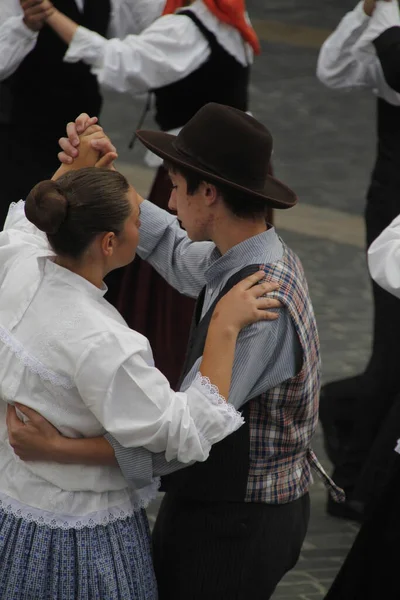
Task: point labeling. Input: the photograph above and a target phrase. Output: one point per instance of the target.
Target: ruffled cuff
(385, 16)
(214, 417)
(19, 32)
(86, 45)
(360, 15)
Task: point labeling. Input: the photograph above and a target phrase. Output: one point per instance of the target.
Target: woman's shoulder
(106, 330)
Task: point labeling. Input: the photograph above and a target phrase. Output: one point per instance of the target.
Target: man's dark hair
(240, 204)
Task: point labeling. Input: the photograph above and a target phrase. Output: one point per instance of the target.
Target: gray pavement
(324, 148)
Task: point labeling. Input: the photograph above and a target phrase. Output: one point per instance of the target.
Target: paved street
(324, 147)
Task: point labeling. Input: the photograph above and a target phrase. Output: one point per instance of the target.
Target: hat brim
(274, 194)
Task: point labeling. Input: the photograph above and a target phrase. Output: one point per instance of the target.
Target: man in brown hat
(233, 526)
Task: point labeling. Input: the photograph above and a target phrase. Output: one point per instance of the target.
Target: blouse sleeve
(337, 66)
(133, 16)
(384, 258)
(167, 51)
(134, 402)
(16, 39)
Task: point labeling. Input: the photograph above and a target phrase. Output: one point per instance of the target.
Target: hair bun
(46, 206)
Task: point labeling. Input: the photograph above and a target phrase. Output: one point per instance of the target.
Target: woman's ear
(108, 243)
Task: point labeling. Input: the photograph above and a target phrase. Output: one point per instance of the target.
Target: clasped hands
(36, 13)
(86, 145)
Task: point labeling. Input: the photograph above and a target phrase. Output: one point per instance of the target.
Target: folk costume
(363, 52)
(233, 528)
(187, 58)
(78, 532)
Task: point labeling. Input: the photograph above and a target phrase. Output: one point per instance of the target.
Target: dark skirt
(226, 550)
(370, 571)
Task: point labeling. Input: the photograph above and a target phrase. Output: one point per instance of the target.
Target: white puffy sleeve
(16, 39)
(134, 402)
(337, 66)
(384, 258)
(167, 51)
(133, 16)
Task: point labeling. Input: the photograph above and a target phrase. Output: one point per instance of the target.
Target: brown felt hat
(226, 146)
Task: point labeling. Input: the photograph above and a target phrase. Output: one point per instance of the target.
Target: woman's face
(127, 241)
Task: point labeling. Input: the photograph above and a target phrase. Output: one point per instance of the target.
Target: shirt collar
(264, 248)
(67, 277)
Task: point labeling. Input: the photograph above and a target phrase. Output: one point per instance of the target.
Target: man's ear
(210, 193)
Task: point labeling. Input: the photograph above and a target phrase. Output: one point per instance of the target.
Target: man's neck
(231, 232)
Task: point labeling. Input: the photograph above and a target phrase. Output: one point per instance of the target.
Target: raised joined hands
(80, 132)
(36, 12)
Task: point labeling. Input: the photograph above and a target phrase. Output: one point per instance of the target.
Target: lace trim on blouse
(140, 500)
(32, 363)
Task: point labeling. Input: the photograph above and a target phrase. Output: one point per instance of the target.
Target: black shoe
(349, 510)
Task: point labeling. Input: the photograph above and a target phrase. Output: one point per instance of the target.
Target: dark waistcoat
(45, 93)
(220, 79)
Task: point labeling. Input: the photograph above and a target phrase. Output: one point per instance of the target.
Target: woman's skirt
(111, 562)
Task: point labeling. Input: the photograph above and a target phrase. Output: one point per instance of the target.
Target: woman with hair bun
(78, 532)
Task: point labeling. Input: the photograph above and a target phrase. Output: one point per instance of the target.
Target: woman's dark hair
(238, 202)
(77, 207)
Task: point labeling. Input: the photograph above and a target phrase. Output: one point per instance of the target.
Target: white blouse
(67, 353)
(348, 58)
(17, 40)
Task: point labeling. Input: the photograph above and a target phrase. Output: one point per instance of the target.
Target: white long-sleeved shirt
(17, 40)
(68, 354)
(348, 59)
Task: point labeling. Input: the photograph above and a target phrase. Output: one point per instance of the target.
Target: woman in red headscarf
(188, 57)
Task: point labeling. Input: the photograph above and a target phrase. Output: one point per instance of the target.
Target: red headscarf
(231, 12)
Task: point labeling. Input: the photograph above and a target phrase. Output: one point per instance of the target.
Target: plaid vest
(269, 458)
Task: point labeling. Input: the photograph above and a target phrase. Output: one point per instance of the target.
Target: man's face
(192, 210)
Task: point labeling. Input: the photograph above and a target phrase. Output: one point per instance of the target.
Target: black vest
(223, 476)
(45, 93)
(387, 166)
(220, 79)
